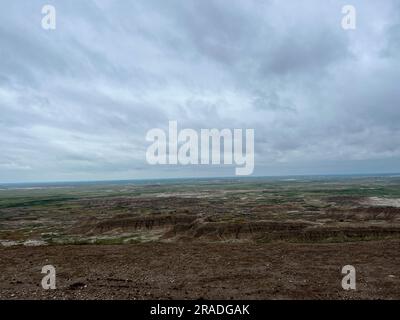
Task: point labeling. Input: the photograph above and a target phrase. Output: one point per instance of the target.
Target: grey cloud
(76, 102)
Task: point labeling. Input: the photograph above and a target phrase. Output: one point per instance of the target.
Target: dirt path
(209, 271)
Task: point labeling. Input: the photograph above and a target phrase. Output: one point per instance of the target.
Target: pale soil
(382, 202)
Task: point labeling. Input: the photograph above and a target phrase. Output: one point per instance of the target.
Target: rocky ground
(203, 271)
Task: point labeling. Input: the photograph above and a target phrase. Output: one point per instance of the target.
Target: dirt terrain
(203, 271)
(210, 239)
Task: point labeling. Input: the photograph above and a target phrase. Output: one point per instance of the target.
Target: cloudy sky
(76, 103)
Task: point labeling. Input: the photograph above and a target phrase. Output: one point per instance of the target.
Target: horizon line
(374, 174)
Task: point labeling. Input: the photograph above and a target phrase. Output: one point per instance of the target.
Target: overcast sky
(76, 103)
